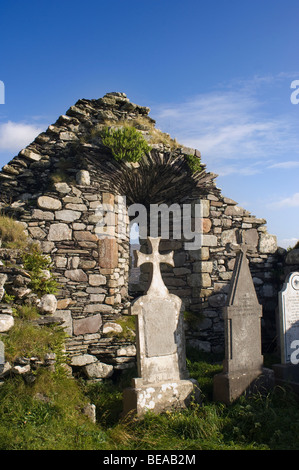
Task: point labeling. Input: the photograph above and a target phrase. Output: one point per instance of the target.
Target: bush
(126, 143)
(194, 163)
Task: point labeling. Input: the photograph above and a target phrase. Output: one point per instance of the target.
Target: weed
(126, 143)
(27, 339)
(194, 163)
(36, 263)
(12, 233)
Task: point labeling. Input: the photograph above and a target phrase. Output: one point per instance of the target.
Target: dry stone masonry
(55, 187)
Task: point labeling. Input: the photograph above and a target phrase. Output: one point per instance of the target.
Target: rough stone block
(228, 236)
(83, 360)
(77, 275)
(97, 280)
(67, 215)
(108, 253)
(27, 153)
(267, 243)
(234, 211)
(86, 325)
(37, 233)
(111, 327)
(98, 370)
(50, 203)
(42, 215)
(209, 240)
(203, 266)
(6, 322)
(83, 178)
(59, 232)
(48, 304)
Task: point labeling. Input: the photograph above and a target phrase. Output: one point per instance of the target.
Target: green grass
(56, 422)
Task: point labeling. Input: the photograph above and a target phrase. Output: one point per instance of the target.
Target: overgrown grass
(28, 339)
(12, 233)
(47, 415)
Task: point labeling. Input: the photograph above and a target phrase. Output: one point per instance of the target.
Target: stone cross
(163, 378)
(241, 246)
(156, 286)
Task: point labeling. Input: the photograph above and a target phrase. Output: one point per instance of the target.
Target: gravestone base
(228, 387)
(287, 375)
(160, 396)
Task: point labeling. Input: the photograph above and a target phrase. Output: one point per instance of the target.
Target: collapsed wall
(56, 186)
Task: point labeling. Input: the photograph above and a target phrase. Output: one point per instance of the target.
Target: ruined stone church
(55, 186)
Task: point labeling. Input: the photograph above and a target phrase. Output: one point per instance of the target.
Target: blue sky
(216, 74)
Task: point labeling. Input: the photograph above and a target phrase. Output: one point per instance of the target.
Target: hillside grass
(48, 415)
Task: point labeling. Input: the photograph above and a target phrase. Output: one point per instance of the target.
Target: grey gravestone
(2, 357)
(163, 378)
(3, 279)
(288, 370)
(243, 364)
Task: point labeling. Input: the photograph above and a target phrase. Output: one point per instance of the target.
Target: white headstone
(289, 317)
(163, 378)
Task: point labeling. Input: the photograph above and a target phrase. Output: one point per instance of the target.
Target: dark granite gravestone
(243, 370)
(163, 378)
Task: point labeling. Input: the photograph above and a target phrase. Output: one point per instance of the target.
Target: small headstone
(288, 370)
(2, 355)
(243, 370)
(3, 279)
(163, 378)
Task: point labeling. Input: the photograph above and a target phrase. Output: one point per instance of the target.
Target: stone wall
(202, 277)
(55, 187)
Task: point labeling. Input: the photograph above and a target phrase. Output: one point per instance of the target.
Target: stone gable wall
(93, 273)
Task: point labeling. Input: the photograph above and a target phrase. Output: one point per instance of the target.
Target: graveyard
(198, 353)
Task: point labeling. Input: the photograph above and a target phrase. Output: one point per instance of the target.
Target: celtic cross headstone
(163, 379)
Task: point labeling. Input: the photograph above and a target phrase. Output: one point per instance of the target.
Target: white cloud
(292, 201)
(15, 136)
(232, 125)
(285, 165)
